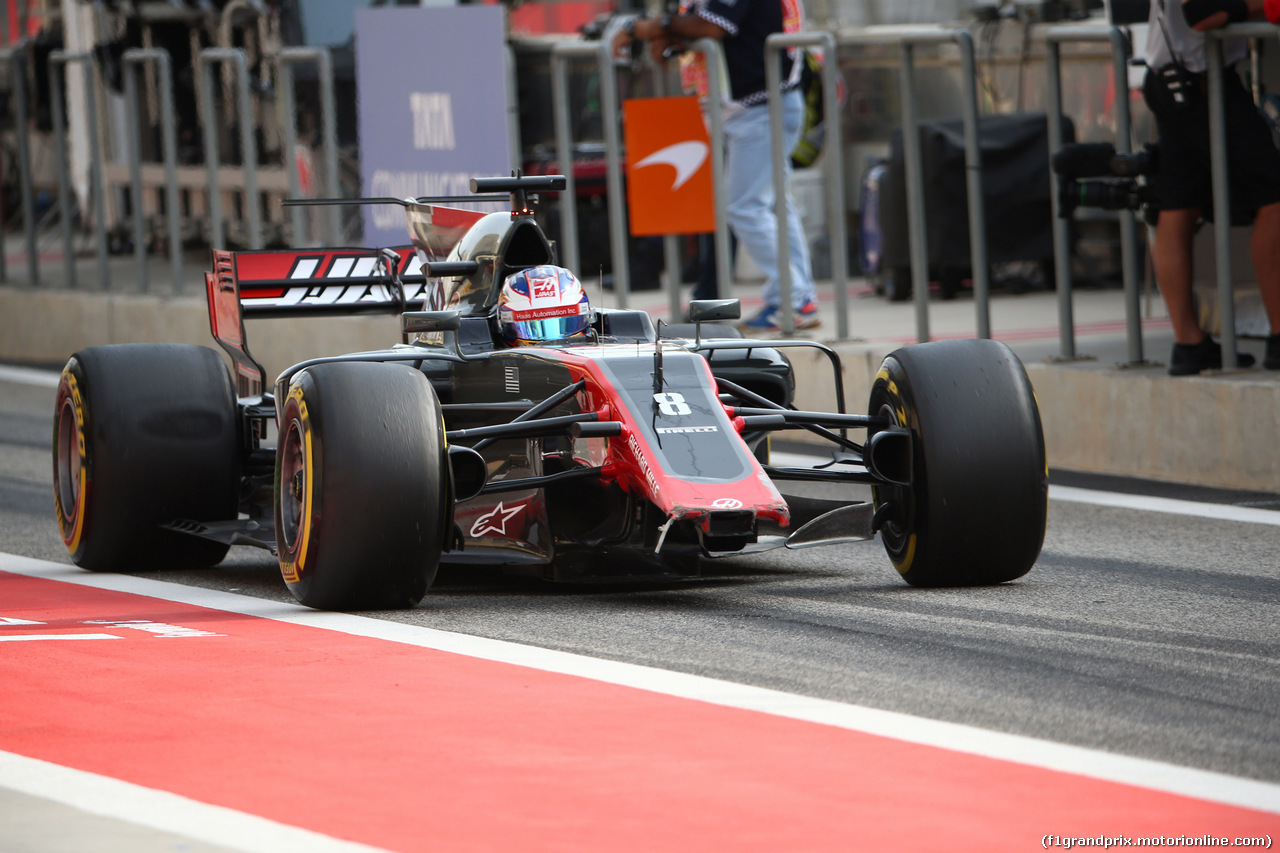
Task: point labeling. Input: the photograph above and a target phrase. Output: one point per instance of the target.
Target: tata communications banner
(432, 90)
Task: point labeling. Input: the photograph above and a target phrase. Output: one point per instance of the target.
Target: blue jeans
(749, 196)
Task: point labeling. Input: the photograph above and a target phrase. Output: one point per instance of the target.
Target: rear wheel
(362, 486)
(976, 508)
(143, 435)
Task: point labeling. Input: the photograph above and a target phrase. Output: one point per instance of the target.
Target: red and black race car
(625, 451)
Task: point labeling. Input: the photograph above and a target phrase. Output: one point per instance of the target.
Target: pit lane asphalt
(1141, 633)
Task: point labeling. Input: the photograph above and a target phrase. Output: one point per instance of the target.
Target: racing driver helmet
(540, 304)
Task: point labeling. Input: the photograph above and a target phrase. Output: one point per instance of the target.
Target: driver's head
(542, 304)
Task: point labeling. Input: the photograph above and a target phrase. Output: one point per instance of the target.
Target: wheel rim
(70, 463)
(896, 529)
(293, 486)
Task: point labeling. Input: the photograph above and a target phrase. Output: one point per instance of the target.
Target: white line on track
(1155, 775)
(113, 798)
(1118, 500)
(29, 376)
(15, 638)
(1223, 512)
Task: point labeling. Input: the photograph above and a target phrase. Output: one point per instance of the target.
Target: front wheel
(363, 494)
(975, 510)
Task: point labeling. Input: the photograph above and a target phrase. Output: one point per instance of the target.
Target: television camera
(1092, 174)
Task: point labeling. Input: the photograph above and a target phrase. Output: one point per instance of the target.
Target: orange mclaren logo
(669, 181)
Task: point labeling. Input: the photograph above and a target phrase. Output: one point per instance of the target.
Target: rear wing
(310, 282)
(325, 282)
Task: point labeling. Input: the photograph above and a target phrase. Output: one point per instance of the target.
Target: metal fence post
(248, 145)
(613, 172)
(288, 57)
(1061, 235)
(1221, 186)
(1221, 204)
(1061, 229)
(711, 51)
(560, 56)
(133, 62)
(833, 166)
(670, 243)
(913, 164)
(59, 59)
(973, 179)
(19, 59)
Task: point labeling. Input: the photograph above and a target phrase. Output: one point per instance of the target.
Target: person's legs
(1172, 260)
(749, 197)
(802, 291)
(1265, 246)
(749, 192)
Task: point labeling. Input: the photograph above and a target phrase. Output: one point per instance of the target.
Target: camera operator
(1176, 91)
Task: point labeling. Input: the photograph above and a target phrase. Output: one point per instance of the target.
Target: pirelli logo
(686, 430)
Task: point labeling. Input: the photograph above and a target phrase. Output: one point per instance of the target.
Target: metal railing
(602, 51)
(134, 60)
(560, 56)
(248, 144)
(289, 57)
(17, 59)
(57, 104)
(1054, 38)
(832, 166)
(908, 39)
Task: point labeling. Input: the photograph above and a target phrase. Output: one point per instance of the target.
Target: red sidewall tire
(362, 486)
(144, 435)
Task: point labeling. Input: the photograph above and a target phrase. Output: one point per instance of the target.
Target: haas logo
(726, 503)
(544, 288)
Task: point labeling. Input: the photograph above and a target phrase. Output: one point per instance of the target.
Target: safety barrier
(906, 39)
(1054, 38)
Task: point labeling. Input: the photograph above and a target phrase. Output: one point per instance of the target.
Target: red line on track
(415, 749)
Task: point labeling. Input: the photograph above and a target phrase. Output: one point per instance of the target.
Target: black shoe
(1190, 359)
(1271, 361)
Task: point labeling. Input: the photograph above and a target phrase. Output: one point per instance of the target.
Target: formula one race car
(516, 425)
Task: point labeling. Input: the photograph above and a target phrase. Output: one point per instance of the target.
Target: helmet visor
(548, 329)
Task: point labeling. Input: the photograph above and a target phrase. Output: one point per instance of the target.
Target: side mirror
(707, 310)
(442, 269)
(416, 322)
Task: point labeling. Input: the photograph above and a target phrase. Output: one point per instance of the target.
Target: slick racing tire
(144, 435)
(363, 501)
(975, 511)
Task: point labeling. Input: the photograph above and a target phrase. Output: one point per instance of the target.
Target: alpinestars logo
(495, 520)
